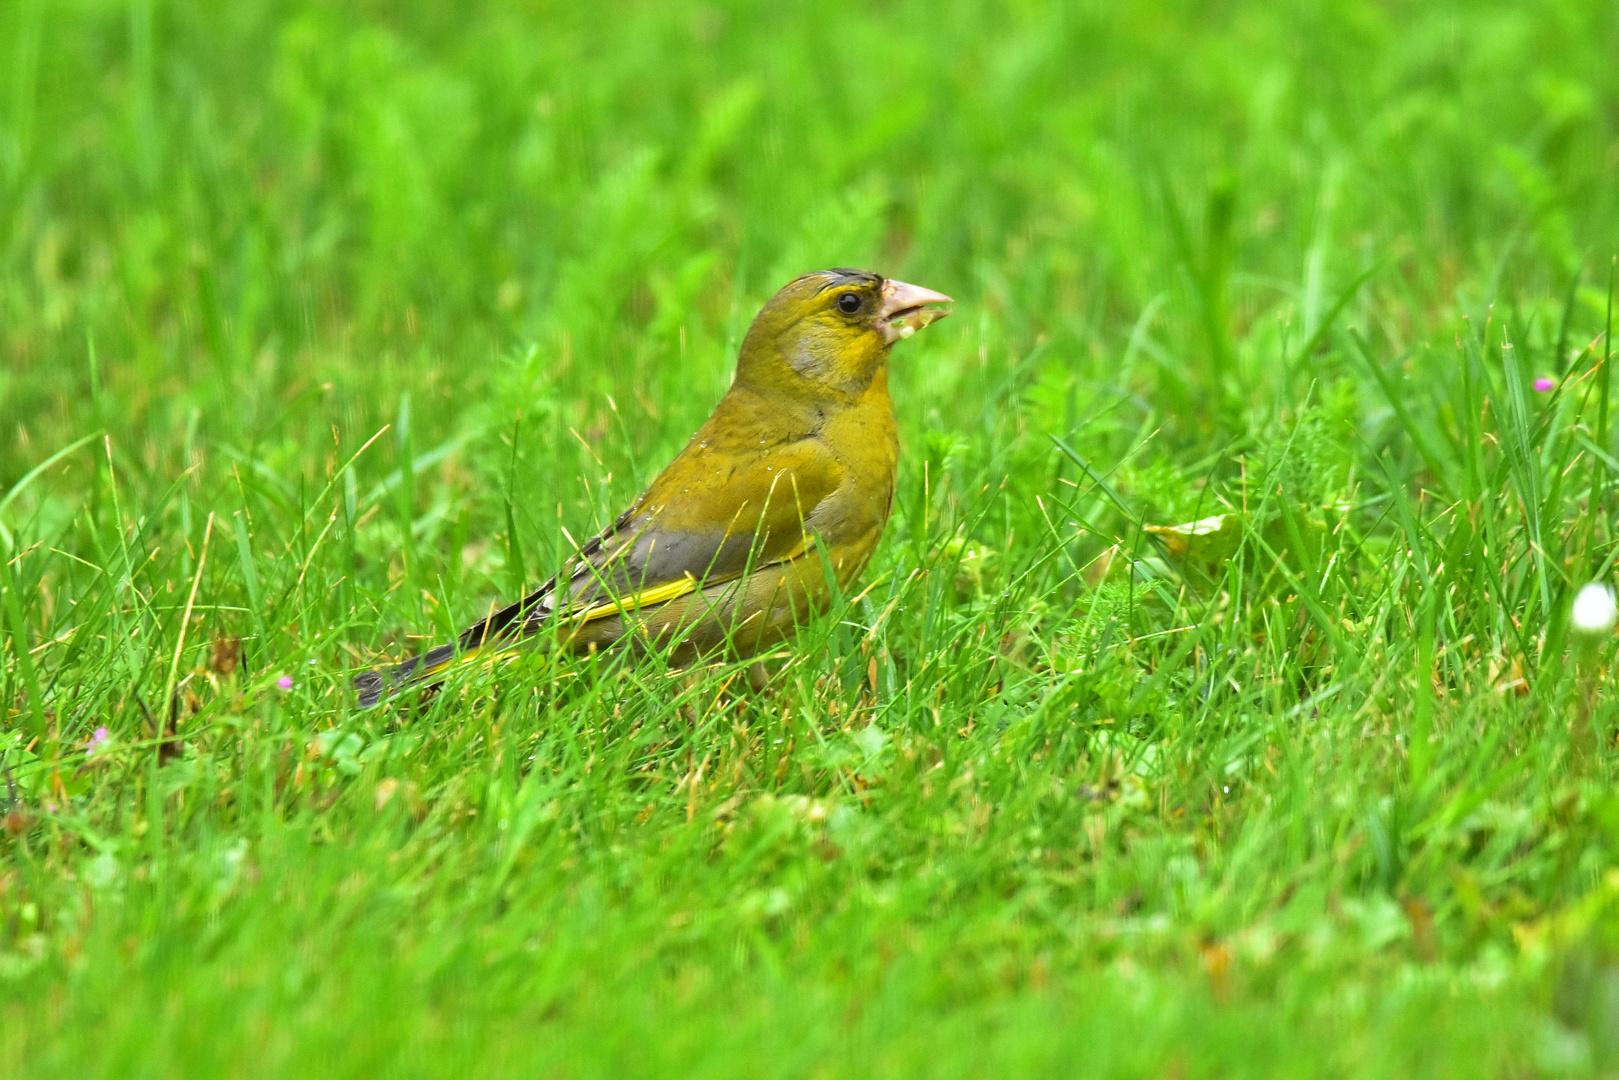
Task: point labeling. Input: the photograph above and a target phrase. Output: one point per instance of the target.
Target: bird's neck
(801, 403)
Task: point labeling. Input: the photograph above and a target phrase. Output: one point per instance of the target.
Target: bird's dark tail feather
(493, 637)
(373, 686)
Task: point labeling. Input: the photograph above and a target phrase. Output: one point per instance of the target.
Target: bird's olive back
(817, 337)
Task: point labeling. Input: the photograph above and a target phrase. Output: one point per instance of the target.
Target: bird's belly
(753, 613)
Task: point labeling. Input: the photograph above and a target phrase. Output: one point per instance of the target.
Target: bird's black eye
(849, 303)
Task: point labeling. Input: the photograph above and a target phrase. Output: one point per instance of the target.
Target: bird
(784, 491)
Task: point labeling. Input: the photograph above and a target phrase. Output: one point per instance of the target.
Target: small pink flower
(1543, 384)
(96, 740)
(285, 682)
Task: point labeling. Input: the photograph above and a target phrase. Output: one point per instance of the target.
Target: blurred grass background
(1321, 793)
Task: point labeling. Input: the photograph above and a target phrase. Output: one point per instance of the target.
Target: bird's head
(830, 331)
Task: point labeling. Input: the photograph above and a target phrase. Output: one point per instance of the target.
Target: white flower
(1595, 611)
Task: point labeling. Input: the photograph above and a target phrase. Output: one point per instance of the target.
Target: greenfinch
(782, 493)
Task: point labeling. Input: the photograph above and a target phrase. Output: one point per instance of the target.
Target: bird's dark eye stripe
(849, 303)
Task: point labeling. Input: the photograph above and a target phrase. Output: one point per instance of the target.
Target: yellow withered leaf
(1206, 542)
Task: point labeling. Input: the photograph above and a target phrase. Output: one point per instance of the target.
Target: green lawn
(324, 326)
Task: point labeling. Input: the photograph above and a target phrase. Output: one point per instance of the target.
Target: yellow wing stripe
(658, 594)
(662, 594)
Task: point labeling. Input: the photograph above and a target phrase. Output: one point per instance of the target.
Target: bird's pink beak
(905, 309)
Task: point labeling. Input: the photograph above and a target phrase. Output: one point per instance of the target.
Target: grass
(324, 326)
